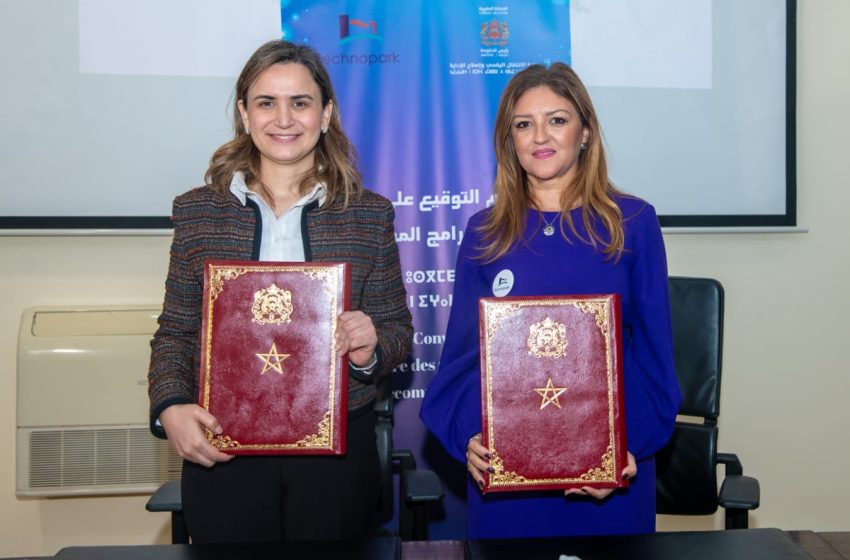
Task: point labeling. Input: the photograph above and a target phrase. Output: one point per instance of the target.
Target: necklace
(549, 228)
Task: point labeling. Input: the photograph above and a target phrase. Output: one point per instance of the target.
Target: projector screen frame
(14, 225)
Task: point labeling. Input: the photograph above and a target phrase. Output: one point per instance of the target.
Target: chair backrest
(696, 306)
(686, 469)
(384, 439)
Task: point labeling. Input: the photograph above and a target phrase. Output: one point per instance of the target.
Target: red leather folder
(269, 371)
(552, 392)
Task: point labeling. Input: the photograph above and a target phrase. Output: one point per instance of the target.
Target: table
(384, 548)
(739, 544)
(824, 545)
(736, 544)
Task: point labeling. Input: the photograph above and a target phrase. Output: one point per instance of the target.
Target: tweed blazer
(213, 225)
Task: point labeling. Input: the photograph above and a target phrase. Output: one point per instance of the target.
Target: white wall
(786, 376)
(58, 271)
(785, 383)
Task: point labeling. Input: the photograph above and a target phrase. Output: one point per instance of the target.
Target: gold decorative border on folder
(330, 276)
(495, 313)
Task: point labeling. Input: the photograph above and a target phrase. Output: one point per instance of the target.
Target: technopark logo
(347, 34)
(353, 30)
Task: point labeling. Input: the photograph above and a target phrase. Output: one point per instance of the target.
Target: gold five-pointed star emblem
(272, 360)
(550, 394)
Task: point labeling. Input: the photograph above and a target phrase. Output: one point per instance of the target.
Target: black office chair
(418, 488)
(686, 476)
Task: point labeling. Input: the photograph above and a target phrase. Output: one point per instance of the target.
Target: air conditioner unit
(82, 409)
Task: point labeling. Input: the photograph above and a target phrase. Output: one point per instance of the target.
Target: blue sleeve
(651, 385)
(452, 406)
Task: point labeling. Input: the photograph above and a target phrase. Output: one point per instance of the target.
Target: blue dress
(549, 265)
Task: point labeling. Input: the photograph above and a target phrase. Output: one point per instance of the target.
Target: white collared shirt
(281, 237)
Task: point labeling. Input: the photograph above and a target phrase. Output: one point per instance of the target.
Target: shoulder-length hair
(591, 188)
(335, 155)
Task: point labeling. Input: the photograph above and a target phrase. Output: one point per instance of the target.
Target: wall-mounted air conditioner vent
(83, 406)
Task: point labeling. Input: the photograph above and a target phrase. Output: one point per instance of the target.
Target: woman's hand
(183, 424)
(601, 493)
(477, 460)
(356, 335)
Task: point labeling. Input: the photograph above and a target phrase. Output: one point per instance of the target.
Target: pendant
(548, 230)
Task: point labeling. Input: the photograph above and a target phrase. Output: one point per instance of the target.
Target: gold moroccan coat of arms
(272, 306)
(547, 338)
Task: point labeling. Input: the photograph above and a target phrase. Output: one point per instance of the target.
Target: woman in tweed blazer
(285, 188)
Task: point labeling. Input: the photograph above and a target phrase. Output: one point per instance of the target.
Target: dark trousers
(287, 498)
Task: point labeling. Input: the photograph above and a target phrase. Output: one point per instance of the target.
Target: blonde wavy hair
(591, 188)
(335, 161)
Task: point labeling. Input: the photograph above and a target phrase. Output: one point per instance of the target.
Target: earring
(247, 131)
(324, 130)
(583, 146)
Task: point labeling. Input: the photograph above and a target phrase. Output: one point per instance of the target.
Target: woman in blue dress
(558, 226)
